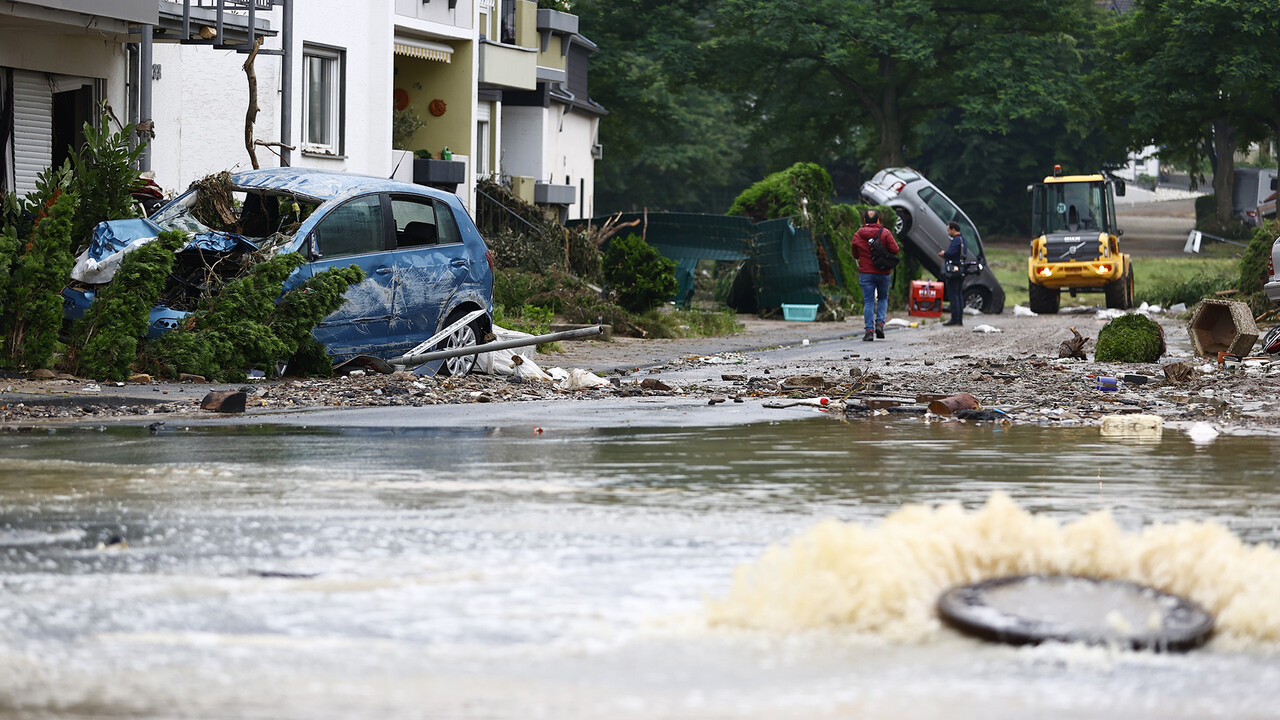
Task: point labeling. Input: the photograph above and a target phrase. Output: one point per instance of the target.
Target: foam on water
(885, 579)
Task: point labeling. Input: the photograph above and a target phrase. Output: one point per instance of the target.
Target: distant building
(499, 83)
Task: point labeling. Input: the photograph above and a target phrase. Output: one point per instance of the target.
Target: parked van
(1254, 187)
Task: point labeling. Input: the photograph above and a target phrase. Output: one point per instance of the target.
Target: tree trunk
(251, 113)
(890, 116)
(1224, 169)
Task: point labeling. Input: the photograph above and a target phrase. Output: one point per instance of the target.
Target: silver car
(1272, 286)
(923, 213)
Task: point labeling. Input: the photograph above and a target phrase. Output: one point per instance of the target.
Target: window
(507, 20)
(482, 149)
(947, 212)
(422, 221)
(486, 12)
(353, 228)
(322, 101)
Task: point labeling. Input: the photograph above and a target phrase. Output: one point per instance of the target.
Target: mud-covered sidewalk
(775, 368)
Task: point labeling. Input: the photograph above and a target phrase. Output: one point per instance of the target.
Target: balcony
(548, 194)
(508, 66)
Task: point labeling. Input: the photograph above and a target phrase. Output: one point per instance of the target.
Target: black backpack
(880, 255)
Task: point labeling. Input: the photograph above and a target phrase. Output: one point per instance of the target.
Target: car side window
(948, 213)
(423, 221)
(353, 228)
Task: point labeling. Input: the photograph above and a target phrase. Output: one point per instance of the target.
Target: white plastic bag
(498, 362)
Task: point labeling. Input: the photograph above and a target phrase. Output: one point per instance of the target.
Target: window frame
(336, 104)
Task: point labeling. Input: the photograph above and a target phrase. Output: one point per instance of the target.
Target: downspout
(286, 85)
(144, 96)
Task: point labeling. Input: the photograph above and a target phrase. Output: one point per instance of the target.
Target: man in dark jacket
(953, 273)
(874, 281)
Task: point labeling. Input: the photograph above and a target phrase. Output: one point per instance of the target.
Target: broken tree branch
(251, 113)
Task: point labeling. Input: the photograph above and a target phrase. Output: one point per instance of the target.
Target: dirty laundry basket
(926, 298)
(804, 313)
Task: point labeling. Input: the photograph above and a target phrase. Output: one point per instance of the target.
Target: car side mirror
(312, 252)
(1119, 187)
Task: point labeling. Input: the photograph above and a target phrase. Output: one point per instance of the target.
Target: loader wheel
(1120, 291)
(1043, 300)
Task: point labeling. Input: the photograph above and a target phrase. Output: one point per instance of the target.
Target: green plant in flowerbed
(1130, 338)
(104, 176)
(241, 325)
(104, 343)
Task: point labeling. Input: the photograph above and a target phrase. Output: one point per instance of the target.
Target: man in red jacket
(874, 281)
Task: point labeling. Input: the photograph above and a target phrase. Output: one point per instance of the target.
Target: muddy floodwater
(767, 570)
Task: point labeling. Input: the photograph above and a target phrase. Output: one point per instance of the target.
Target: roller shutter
(32, 128)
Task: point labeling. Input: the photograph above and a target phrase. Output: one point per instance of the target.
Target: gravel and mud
(772, 369)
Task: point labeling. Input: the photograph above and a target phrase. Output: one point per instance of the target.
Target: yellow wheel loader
(1077, 244)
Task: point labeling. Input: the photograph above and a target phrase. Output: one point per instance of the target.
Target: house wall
(365, 35)
(199, 106)
(567, 155)
(65, 50)
(523, 131)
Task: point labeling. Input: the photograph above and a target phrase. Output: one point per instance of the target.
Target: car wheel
(903, 223)
(978, 298)
(463, 337)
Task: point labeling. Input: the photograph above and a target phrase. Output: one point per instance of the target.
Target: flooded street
(480, 571)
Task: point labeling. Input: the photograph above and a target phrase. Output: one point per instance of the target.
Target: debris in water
(1031, 609)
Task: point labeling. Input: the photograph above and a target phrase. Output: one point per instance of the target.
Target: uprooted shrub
(104, 343)
(32, 305)
(638, 274)
(241, 325)
(1130, 338)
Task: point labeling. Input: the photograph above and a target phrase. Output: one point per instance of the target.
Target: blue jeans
(875, 298)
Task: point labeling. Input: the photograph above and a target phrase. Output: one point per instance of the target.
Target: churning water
(772, 570)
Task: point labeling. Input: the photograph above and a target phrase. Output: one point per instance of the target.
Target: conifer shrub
(32, 304)
(1130, 338)
(104, 343)
(241, 326)
(639, 276)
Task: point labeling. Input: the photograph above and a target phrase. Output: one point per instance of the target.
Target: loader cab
(1076, 205)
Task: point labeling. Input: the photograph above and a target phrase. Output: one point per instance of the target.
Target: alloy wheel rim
(460, 338)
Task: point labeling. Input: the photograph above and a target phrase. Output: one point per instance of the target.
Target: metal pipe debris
(578, 334)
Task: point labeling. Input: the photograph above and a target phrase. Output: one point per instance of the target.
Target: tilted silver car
(923, 213)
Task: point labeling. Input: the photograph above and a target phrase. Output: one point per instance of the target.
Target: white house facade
(499, 86)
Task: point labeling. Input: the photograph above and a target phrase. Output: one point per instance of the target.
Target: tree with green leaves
(1200, 78)
(669, 143)
(876, 69)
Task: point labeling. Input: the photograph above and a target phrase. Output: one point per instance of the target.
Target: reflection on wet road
(495, 572)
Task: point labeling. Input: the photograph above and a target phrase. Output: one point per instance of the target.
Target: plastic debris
(579, 378)
(526, 369)
(1202, 433)
(953, 403)
(898, 322)
(1022, 311)
(1136, 426)
(987, 329)
(498, 362)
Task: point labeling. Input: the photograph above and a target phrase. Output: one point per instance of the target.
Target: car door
(432, 262)
(355, 233)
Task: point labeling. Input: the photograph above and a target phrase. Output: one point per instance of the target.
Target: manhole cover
(1030, 609)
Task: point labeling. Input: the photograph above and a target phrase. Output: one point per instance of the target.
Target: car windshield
(1074, 207)
(948, 212)
(250, 214)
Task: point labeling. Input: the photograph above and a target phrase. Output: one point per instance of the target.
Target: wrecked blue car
(426, 266)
